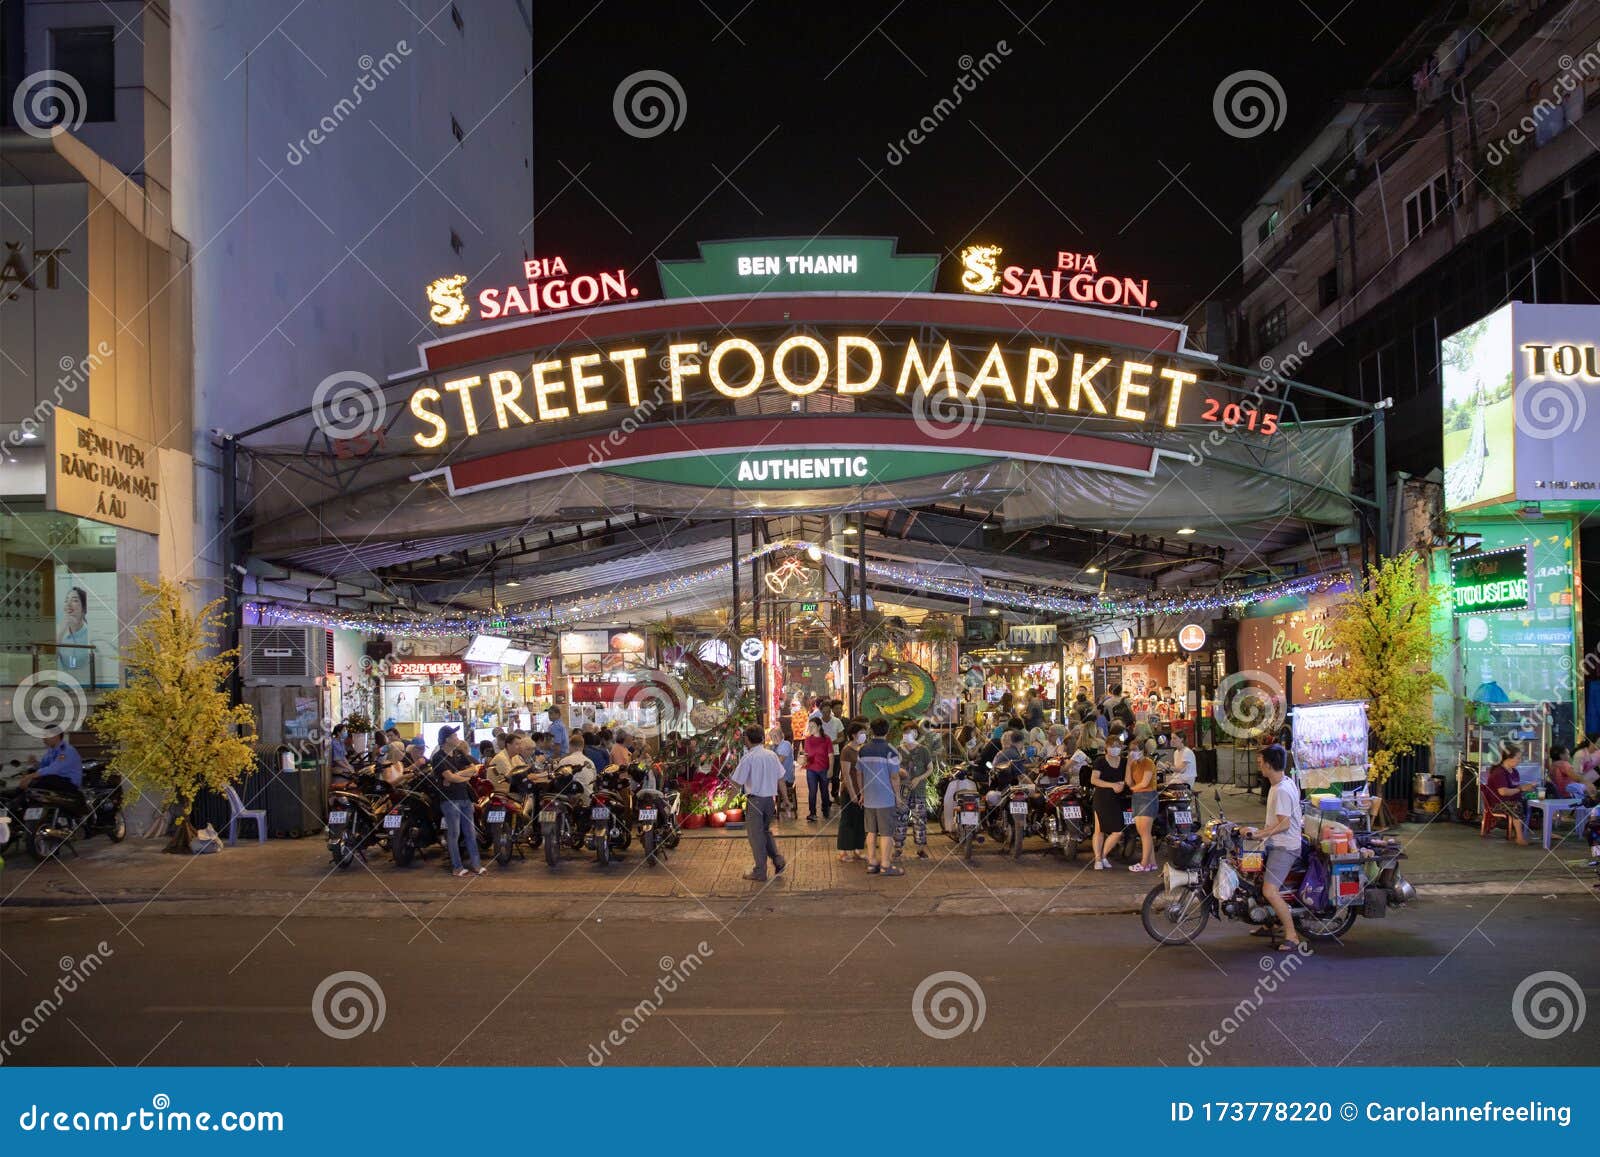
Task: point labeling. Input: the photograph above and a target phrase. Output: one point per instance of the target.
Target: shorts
(1280, 862)
(880, 820)
(1144, 805)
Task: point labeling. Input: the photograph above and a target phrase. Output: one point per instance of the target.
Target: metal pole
(1380, 473)
(733, 574)
(232, 588)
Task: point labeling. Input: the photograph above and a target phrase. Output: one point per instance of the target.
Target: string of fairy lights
(596, 608)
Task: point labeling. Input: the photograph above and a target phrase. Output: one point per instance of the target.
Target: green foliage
(1383, 626)
(172, 729)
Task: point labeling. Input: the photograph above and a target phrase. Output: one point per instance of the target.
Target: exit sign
(808, 608)
(1490, 581)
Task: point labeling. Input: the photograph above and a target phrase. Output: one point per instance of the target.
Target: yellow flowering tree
(1383, 628)
(172, 730)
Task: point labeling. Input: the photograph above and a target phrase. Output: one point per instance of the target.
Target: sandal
(873, 869)
(891, 870)
(1288, 946)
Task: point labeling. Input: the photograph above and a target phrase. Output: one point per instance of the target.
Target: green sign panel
(798, 265)
(808, 608)
(1495, 580)
(811, 469)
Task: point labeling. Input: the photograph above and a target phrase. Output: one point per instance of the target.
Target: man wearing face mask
(916, 761)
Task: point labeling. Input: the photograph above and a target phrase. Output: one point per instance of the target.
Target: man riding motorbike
(1282, 833)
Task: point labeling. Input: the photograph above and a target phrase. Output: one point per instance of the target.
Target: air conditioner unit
(284, 656)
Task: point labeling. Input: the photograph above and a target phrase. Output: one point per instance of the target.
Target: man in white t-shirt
(1282, 833)
(1182, 760)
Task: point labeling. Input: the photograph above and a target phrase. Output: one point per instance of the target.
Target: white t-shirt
(1183, 766)
(1284, 800)
(833, 727)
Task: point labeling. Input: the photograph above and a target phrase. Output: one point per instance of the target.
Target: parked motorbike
(610, 814)
(414, 820)
(1213, 873)
(969, 811)
(563, 822)
(504, 818)
(656, 814)
(52, 818)
(1068, 822)
(356, 807)
(1178, 811)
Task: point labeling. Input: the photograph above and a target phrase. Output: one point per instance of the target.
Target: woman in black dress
(852, 836)
(1108, 777)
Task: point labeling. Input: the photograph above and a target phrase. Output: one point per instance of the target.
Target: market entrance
(692, 514)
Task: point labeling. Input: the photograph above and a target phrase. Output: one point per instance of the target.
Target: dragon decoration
(895, 689)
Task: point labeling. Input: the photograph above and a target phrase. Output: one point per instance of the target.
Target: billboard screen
(1479, 412)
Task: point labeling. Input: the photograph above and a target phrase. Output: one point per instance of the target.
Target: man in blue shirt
(558, 732)
(760, 771)
(599, 752)
(879, 765)
(60, 761)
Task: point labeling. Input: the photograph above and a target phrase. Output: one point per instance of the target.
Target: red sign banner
(425, 668)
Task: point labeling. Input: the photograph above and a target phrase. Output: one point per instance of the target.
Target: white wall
(307, 267)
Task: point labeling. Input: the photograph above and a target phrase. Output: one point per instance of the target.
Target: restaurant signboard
(1485, 582)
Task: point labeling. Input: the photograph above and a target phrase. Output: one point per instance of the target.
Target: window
(1426, 206)
(87, 55)
(1328, 288)
(1272, 328)
(1269, 226)
(455, 242)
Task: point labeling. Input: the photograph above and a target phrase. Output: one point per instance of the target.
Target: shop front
(1521, 487)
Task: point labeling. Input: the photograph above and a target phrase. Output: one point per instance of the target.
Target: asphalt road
(1431, 985)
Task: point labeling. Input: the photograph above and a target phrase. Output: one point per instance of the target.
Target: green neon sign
(1490, 581)
(798, 265)
(809, 469)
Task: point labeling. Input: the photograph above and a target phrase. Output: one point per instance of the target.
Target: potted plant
(694, 812)
(360, 725)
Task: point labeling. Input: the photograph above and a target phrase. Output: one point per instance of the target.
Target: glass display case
(1489, 727)
(1329, 743)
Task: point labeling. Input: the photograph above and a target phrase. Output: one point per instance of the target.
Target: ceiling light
(986, 526)
(850, 530)
(28, 435)
(513, 583)
(994, 610)
(1091, 569)
(814, 553)
(1185, 530)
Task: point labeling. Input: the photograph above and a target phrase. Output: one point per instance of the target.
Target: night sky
(1106, 107)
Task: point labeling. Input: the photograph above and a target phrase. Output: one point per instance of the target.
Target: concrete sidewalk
(702, 880)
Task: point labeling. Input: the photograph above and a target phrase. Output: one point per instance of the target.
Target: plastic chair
(240, 812)
(1491, 815)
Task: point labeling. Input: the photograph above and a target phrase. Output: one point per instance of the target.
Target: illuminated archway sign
(811, 452)
(1034, 379)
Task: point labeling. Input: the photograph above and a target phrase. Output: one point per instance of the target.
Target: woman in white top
(1182, 761)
